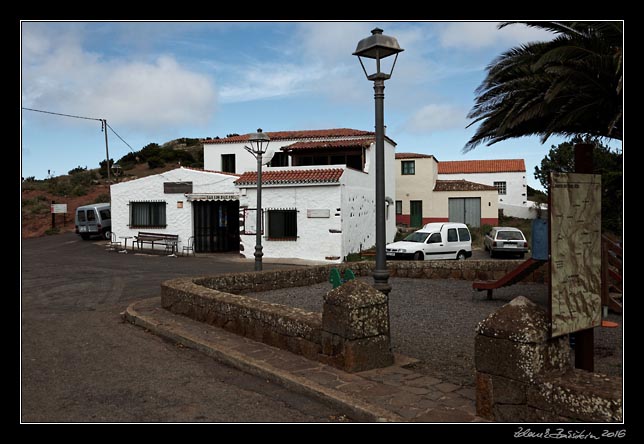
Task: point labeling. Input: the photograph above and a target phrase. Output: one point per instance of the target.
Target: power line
(61, 114)
(117, 135)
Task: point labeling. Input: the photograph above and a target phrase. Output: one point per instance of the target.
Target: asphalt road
(81, 363)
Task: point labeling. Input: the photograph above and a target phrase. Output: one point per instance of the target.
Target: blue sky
(157, 81)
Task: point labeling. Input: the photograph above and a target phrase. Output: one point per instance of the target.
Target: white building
(507, 175)
(186, 202)
(319, 205)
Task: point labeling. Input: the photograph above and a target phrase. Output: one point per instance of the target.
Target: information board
(575, 251)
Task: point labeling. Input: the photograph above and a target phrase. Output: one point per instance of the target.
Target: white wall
(244, 161)
(358, 211)
(516, 184)
(390, 183)
(528, 211)
(314, 241)
(150, 188)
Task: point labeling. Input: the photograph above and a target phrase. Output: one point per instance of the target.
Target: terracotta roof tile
(293, 176)
(326, 144)
(304, 134)
(461, 185)
(412, 156)
(481, 166)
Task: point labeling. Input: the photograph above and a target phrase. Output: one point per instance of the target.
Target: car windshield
(417, 236)
(509, 235)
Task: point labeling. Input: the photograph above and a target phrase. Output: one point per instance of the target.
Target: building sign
(575, 248)
(318, 213)
(250, 221)
(177, 187)
(58, 208)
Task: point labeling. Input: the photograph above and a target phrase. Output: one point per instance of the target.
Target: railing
(612, 271)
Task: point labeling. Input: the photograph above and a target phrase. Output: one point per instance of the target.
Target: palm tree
(569, 86)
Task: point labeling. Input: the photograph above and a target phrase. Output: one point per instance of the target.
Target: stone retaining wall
(219, 300)
(523, 375)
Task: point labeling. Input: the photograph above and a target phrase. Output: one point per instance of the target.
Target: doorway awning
(211, 196)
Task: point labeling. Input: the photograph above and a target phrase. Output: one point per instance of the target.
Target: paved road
(81, 362)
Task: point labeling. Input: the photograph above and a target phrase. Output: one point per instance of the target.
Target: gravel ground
(434, 321)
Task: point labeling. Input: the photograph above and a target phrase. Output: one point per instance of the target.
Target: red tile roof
(305, 134)
(461, 185)
(412, 156)
(282, 177)
(481, 166)
(326, 144)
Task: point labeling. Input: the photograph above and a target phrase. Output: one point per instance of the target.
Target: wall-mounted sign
(58, 208)
(318, 213)
(575, 251)
(177, 187)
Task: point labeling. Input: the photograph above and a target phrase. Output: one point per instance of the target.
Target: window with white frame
(501, 187)
(147, 214)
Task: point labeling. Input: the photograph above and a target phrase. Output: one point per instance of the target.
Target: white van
(94, 220)
(436, 240)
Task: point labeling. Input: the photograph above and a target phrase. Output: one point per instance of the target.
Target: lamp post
(258, 146)
(377, 47)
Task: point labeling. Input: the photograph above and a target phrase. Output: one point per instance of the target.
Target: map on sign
(575, 252)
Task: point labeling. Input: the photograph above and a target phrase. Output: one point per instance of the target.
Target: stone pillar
(512, 348)
(355, 328)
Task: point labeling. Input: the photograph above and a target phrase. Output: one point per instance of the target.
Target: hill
(82, 186)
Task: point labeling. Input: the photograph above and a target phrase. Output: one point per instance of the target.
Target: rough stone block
(366, 354)
(579, 395)
(516, 360)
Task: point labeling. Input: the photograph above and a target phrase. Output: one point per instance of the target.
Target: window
(452, 235)
(464, 234)
(282, 224)
(501, 188)
(105, 214)
(81, 216)
(91, 215)
(435, 238)
(279, 160)
(399, 207)
(147, 214)
(408, 167)
(228, 163)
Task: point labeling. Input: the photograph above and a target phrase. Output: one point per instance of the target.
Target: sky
(158, 81)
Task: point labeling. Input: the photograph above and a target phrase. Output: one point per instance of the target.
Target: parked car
(505, 240)
(94, 220)
(434, 241)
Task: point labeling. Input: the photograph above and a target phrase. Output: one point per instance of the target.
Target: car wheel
(461, 256)
(107, 235)
(419, 256)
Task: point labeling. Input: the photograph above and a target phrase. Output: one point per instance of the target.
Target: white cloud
(476, 35)
(436, 117)
(59, 75)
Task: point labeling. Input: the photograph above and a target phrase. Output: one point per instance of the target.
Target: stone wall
(523, 375)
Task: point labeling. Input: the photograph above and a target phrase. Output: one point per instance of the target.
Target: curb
(355, 408)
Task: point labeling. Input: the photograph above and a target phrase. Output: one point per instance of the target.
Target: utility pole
(107, 152)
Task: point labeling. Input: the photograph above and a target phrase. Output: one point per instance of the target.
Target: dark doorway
(416, 210)
(216, 226)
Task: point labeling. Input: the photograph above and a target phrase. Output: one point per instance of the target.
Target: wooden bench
(170, 241)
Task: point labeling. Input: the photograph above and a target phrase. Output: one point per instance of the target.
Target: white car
(447, 240)
(505, 240)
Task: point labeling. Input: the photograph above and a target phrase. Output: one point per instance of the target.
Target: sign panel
(575, 248)
(177, 187)
(318, 213)
(58, 208)
(250, 221)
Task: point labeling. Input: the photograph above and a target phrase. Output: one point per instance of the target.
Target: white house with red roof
(508, 176)
(422, 197)
(318, 192)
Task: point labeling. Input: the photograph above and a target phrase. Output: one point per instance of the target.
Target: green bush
(155, 162)
(105, 197)
(79, 190)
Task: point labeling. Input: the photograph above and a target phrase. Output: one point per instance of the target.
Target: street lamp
(258, 146)
(377, 47)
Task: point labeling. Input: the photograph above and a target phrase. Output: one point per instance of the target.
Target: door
(216, 226)
(466, 210)
(416, 213)
(434, 247)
